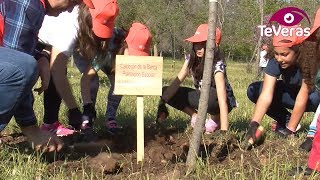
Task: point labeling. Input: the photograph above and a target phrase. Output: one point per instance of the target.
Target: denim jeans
(283, 99)
(18, 74)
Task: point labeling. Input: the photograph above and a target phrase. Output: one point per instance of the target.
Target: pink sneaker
(193, 121)
(57, 128)
(211, 126)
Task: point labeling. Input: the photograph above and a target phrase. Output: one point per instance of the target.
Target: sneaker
(210, 126)
(57, 128)
(307, 144)
(112, 127)
(193, 121)
(85, 122)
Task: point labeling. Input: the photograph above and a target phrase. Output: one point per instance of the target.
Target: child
(221, 99)
(19, 70)
(59, 87)
(263, 60)
(296, 63)
(138, 43)
(60, 38)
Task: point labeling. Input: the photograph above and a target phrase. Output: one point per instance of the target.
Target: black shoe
(74, 116)
(88, 135)
(307, 144)
(112, 127)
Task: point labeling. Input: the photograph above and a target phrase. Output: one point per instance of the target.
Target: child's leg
(314, 156)
(313, 106)
(312, 103)
(281, 100)
(313, 124)
(51, 104)
(180, 100)
(213, 108)
(112, 104)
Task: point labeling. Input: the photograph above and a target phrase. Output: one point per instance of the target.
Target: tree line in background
(171, 21)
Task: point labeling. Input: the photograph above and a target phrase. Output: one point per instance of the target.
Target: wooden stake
(140, 129)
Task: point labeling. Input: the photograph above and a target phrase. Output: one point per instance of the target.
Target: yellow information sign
(138, 75)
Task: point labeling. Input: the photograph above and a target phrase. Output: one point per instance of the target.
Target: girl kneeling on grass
(295, 61)
(221, 98)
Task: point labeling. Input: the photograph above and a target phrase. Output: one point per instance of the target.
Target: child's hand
(42, 141)
(252, 131)
(44, 73)
(162, 113)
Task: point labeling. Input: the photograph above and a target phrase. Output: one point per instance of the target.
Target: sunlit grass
(271, 162)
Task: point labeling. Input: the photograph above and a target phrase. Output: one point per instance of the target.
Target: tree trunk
(206, 82)
(261, 4)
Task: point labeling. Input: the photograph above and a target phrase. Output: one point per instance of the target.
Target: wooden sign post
(139, 76)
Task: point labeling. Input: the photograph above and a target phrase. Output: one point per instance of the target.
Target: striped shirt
(22, 21)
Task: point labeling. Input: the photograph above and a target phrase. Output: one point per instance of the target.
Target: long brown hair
(88, 44)
(196, 64)
(308, 61)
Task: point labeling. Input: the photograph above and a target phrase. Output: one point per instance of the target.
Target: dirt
(165, 154)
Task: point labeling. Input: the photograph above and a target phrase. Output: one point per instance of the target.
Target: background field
(272, 160)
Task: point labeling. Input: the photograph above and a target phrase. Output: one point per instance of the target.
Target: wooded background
(172, 21)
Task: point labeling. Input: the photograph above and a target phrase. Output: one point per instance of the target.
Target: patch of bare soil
(165, 154)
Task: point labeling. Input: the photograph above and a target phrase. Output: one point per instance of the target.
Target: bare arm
(222, 99)
(58, 64)
(172, 89)
(299, 106)
(85, 84)
(265, 98)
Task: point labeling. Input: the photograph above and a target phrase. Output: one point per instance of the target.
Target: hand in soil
(162, 113)
(42, 141)
(251, 133)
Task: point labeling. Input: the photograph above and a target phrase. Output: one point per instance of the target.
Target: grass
(268, 162)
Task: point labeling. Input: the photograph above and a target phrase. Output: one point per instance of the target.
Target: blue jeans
(283, 99)
(18, 74)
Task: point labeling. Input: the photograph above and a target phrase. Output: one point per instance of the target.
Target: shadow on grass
(240, 125)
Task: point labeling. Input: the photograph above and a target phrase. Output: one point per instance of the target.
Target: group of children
(89, 35)
(91, 38)
(93, 50)
(288, 83)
